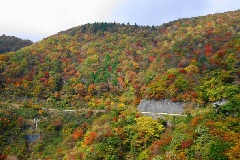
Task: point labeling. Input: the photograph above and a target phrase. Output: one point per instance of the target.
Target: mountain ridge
(12, 43)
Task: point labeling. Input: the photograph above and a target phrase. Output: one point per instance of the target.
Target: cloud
(35, 19)
(156, 12)
(218, 6)
(41, 18)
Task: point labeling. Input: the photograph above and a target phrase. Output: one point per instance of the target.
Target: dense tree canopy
(11, 43)
(103, 70)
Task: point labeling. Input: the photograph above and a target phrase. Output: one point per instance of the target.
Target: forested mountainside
(11, 43)
(110, 67)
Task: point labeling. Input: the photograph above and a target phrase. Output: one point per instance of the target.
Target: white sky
(37, 19)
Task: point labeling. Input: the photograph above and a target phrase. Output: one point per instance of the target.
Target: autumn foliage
(195, 120)
(186, 143)
(90, 138)
(84, 85)
(78, 133)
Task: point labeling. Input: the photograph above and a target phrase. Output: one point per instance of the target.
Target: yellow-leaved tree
(148, 127)
(146, 130)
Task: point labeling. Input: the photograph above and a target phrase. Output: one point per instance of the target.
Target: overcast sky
(37, 19)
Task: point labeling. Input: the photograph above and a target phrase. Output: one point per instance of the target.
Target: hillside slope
(101, 58)
(113, 66)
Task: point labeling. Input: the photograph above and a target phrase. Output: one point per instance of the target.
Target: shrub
(234, 152)
(156, 146)
(195, 120)
(28, 113)
(90, 138)
(57, 123)
(181, 83)
(21, 121)
(217, 149)
(78, 133)
(186, 143)
(232, 107)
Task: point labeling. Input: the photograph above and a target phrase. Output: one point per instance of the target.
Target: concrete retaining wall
(163, 106)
